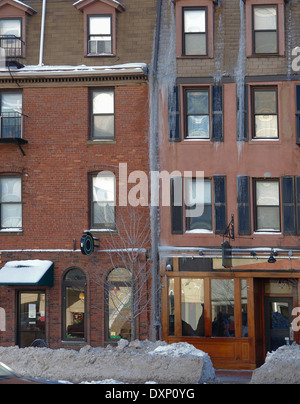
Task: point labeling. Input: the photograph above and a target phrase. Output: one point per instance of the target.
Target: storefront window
(244, 295)
(222, 302)
(74, 290)
(192, 307)
(118, 303)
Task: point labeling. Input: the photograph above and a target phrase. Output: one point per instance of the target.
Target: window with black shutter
(174, 115)
(298, 115)
(288, 206)
(242, 113)
(220, 204)
(176, 206)
(217, 114)
(243, 204)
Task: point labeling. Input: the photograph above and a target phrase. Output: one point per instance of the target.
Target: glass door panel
(31, 317)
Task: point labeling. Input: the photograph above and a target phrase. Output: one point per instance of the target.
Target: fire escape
(11, 122)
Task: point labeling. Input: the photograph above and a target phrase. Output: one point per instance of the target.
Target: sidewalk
(233, 376)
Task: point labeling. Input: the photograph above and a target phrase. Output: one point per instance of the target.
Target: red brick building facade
(63, 123)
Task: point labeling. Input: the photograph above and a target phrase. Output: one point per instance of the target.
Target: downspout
(153, 159)
(42, 33)
(157, 35)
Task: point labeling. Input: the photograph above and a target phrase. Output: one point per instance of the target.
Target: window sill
(265, 55)
(270, 232)
(199, 231)
(5, 232)
(100, 141)
(190, 139)
(103, 231)
(195, 57)
(100, 55)
(268, 140)
(74, 342)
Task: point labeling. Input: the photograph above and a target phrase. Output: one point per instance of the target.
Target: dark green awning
(27, 273)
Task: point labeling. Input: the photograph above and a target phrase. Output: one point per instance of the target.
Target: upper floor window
(265, 28)
(103, 197)
(265, 111)
(13, 22)
(100, 26)
(103, 115)
(197, 111)
(100, 34)
(11, 36)
(267, 207)
(203, 203)
(194, 28)
(265, 32)
(195, 31)
(10, 202)
(10, 114)
(204, 208)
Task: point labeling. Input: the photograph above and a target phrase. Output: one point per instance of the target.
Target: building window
(118, 304)
(265, 32)
(74, 298)
(197, 114)
(198, 197)
(192, 307)
(222, 306)
(267, 206)
(10, 115)
(10, 203)
(100, 35)
(195, 31)
(103, 200)
(103, 115)
(11, 36)
(265, 109)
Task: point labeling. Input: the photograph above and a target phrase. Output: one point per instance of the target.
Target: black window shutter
(174, 115)
(298, 115)
(298, 204)
(176, 206)
(220, 204)
(288, 206)
(243, 114)
(243, 204)
(217, 113)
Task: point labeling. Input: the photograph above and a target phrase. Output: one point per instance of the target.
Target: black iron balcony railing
(11, 125)
(12, 45)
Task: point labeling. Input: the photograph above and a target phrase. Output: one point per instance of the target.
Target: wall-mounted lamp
(169, 267)
(271, 259)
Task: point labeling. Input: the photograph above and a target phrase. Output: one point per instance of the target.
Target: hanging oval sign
(87, 244)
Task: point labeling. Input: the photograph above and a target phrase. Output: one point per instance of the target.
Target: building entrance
(31, 317)
(278, 318)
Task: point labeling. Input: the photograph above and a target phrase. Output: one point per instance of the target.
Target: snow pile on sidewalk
(137, 362)
(281, 367)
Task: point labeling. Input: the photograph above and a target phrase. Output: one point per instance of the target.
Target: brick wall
(59, 157)
(96, 268)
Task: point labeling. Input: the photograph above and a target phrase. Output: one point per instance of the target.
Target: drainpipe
(157, 35)
(42, 33)
(155, 306)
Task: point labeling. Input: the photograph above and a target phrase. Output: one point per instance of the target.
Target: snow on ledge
(134, 68)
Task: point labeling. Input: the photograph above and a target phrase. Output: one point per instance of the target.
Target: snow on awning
(30, 272)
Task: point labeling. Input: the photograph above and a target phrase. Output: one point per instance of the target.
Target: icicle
(240, 80)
